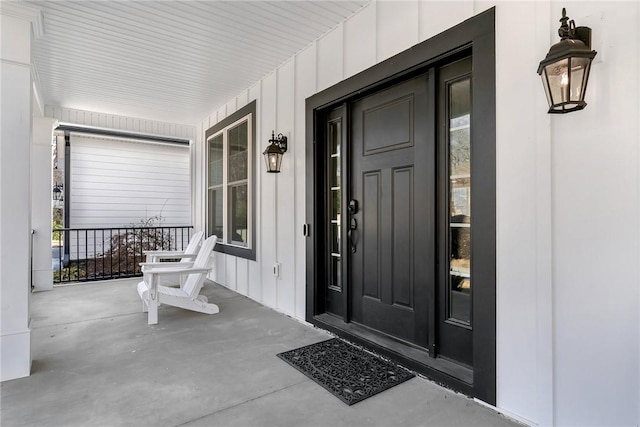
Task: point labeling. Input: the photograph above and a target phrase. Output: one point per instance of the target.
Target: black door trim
(477, 36)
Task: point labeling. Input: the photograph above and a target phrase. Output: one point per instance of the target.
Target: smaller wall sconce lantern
(57, 192)
(565, 70)
(273, 154)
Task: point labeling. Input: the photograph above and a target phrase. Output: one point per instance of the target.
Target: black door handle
(352, 226)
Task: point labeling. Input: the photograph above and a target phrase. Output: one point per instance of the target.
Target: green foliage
(69, 274)
(57, 223)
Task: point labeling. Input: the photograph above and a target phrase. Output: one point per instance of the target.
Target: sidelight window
(334, 202)
(459, 195)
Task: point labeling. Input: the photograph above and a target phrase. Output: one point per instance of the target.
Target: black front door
(391, 211)
(401, 197)
(403, 267)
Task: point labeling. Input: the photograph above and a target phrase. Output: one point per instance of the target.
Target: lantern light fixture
(273, 154)
(565, 69)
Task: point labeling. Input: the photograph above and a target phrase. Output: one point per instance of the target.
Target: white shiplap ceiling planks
(170, 61)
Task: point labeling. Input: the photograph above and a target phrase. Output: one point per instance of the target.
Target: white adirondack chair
(188, 255)
(186, 258)
(188, 295)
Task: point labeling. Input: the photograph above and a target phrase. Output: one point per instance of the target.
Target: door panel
(371, 232)
(402, 283)
(392, 178)
(378, 137)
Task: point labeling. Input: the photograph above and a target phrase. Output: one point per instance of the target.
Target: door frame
(476, 36)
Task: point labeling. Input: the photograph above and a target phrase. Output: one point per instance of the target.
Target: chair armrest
(180, 271)
(157, 253)
(164, 265)
(176, 256)
(172, 256)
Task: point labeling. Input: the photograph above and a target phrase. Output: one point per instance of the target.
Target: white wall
(117, 182)
(133, 125)
(595, 204)
(15, 192)
(41, 269)
(568, 199)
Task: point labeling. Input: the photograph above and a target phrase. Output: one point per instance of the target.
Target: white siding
(568, 199)
(116, 182)
(111, 121)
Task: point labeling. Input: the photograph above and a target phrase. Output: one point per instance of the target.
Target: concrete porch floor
(97, 362)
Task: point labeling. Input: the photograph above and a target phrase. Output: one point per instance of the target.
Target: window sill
(237, 251)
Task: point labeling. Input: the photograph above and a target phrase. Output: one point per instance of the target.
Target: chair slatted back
(194, 244)
(194, 281)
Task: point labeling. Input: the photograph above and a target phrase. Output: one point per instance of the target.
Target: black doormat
(349, 373)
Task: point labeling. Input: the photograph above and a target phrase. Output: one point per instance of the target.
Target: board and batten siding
(377, 32)
(567, 278)
(117, 182)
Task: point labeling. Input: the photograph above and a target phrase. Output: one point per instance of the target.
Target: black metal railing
(87, 254)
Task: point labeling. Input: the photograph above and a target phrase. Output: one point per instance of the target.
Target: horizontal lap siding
(111, 121)
(117, 183)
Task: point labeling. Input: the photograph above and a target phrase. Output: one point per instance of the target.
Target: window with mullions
(230, 215)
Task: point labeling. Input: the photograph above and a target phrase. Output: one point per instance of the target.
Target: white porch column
(41, 186)
(15, 214)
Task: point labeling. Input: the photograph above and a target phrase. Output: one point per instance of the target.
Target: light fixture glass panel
(558, 76)
(578, 68)
(545, 83)
(273, 161)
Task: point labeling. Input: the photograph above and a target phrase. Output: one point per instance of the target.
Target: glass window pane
(238, 152)
(215, 212)
(460, 201)
(334, 137)
(335, 204)
(216, 163)
(335, 279)
(238, 214)
(335, 238)
(215, 160)
(334, 171)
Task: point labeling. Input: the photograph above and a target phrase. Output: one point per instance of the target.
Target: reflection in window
(334, 141)
(459, 142)
(239, 205)
(229, 177)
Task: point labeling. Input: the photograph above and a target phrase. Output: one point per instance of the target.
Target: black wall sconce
(273, 154)
(565, 70)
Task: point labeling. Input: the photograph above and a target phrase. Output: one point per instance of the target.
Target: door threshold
(446, 372)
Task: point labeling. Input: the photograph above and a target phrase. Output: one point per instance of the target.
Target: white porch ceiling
(173, 61)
